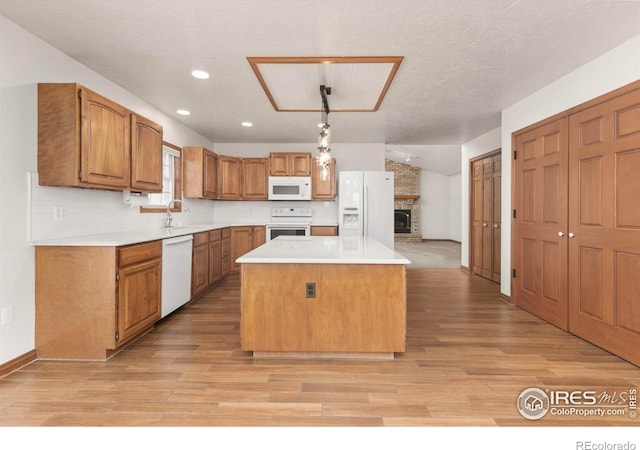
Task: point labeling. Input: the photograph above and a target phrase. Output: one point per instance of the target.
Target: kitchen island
(323, 296)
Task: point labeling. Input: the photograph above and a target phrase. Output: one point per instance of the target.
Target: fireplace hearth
(402, 221)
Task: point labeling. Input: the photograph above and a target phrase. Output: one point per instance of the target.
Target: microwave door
(286, 189)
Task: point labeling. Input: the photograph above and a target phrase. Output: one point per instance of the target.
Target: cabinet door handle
(495, 225)
(484, 225)
(571, 235)
(560, 233)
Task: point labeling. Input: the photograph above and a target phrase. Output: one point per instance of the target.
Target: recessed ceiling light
(183, 112)
(200, 74)
(246, 124)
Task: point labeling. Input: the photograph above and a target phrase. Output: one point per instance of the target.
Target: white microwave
(289, 188)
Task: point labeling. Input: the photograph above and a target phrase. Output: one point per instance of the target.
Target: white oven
(289, 222)
(275, 230)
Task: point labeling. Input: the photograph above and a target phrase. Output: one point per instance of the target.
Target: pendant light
(323, 157)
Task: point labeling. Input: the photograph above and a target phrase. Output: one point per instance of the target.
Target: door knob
(571, 235)
(560, 233)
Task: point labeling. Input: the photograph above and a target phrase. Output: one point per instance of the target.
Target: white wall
(439, 205)
(434, 205)
(26, 61)
(479, 146)
(455, 212)
(616, 68)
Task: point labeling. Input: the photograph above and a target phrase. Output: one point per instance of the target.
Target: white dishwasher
(176, 272)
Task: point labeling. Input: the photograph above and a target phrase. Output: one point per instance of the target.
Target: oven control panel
(291, 212)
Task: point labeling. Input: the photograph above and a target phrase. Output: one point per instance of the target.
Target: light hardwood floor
(469, 355)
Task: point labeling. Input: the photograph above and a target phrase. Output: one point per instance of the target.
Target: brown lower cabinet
(323, 230)
(200, 264)
(243, 240)
(90, 301)
(215, 256)
(226, 251)
(210, 259)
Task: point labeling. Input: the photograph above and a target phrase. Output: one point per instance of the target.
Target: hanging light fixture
(323, 158)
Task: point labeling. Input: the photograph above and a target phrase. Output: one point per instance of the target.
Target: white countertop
(119, 238)
(323, 250)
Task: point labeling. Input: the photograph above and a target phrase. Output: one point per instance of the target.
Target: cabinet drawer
(324, 231)
(226, 232)
(200, 238)
(139, 252)
(214, 235)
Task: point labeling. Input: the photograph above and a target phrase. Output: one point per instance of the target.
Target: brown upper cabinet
(255, 178)
(146, 160)
(229, 178)
(200, 173)
(85, 140)
(290, 164)
(323, 189)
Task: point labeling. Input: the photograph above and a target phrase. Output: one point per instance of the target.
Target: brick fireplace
(406, 205)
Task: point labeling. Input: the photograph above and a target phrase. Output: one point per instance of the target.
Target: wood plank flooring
(469, 355)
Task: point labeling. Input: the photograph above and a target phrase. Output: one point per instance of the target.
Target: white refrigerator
(365, 205)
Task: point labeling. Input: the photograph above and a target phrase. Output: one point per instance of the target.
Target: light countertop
(117, 239)
(323, 250)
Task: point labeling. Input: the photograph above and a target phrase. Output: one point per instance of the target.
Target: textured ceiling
(464, 60)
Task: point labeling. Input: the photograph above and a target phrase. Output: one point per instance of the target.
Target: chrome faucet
(169, 218)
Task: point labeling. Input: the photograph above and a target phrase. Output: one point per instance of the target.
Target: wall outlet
(6, 315)
(310, 290)
(59, 213)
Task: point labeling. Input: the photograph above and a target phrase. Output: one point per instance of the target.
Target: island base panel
(324, 355)
(359, 308)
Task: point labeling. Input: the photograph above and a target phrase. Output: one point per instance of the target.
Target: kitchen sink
(177, 231)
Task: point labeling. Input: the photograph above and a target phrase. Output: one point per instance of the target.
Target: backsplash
(94, 211)
(260, 211)
(59, 212)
